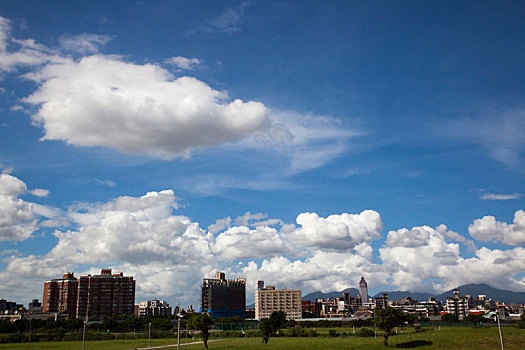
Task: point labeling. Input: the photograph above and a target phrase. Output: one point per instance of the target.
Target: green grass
(446, 338)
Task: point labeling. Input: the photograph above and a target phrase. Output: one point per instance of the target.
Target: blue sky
(298, 142)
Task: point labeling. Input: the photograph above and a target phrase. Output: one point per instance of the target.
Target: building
(154, 308)
(310, 309)
(363, 291)
(382, 301)
(105, 295)
(35, 307)
(9, 307)
(60, 295)
(457, 305)
(268, 300)
(222, 297)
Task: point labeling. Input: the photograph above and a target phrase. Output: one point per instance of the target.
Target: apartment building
(268, 300)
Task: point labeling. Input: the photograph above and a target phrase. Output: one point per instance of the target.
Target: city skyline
(301, 143)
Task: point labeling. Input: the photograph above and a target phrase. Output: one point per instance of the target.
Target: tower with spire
(363, 291)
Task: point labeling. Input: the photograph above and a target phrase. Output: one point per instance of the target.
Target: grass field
(446, 338)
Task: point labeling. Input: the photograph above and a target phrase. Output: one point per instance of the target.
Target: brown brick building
(60, 295)
(105, 295)
(90, 297)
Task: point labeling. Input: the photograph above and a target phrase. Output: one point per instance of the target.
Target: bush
(333, 333)
(366, 332)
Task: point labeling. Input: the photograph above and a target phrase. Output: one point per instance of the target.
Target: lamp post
(149, 334)
(178, 334)
(496, 318)
(84, 336)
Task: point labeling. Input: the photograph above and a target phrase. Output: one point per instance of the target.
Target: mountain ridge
(473, 289)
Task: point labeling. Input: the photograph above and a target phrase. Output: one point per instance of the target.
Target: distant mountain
(398, 294)
(316, 295)
(474, 290)
(495, 294)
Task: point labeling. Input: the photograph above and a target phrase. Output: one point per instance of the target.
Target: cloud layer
(169, 254)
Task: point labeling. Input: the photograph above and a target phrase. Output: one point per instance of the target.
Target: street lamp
(496, 318)
(84, 336)
(149, 334)
(178, 334)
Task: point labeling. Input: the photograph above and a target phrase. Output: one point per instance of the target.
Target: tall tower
(363, 291)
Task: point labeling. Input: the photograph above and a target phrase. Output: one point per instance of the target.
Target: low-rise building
(154, 308)
(457, 305)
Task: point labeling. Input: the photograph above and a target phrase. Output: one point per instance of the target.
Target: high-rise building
(60, 295)
(222, 297)
(268, 300)
(363, 291)
(105, 295)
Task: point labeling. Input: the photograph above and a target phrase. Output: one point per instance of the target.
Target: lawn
(446, 338)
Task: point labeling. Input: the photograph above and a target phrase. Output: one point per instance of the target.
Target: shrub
(365, 332)
(333, 333)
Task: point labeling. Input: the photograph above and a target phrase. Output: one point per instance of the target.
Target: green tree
(203, 323)
(387, 319)
(449, 318)
(476, 320)
(278, 320)
(266, 328)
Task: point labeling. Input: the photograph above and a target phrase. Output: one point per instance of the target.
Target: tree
(387, 319)
(266, 329)
(278, 320)
(521, 322)
(449, 318)
(269, 326)
(203, 323)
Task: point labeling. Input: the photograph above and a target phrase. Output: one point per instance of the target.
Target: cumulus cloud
(337, 232)
(416, 237)
(137, 109)
(248, 217)
(17, 217)
(39, 192)
(489, 229)
(184, 63)
(243, 243)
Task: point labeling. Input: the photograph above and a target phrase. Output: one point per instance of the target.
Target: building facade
(457, 305)
(60, 295)
(268, 300)
(154, 308)
(105, 295)
(222, 297)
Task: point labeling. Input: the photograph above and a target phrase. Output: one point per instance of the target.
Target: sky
(302, 143)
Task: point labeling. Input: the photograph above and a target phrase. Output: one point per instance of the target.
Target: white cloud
(501, 197)
(17, 217)
(501, 132)
(243, 243)
(220, 224)
(337, 232)
(108, 183)
(416, 237)
(84, 43)
(137, 109)
(16, 53)
(39, 192)
(184, 63)
(247, 218)
(454, 236)
(489, 229)
(229, 21)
